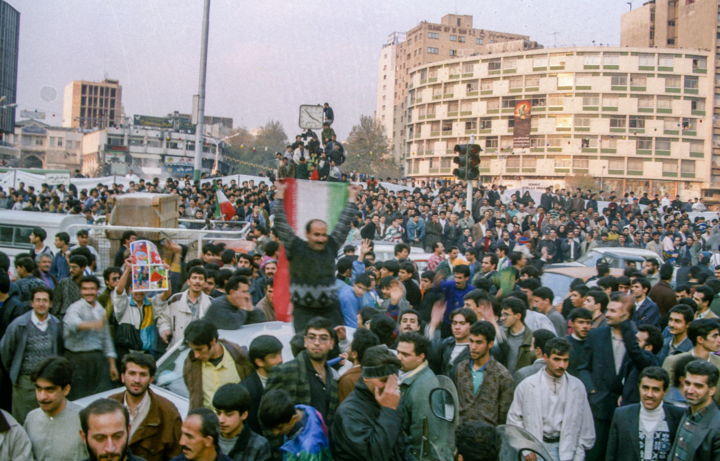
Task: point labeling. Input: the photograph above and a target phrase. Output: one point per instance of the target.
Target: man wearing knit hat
(368, 424)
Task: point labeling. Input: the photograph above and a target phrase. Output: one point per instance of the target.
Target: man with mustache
(104, 429)
(200, 437)
(53, 428)
(154, 420)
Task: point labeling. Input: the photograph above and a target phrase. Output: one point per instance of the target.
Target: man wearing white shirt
(553, 406)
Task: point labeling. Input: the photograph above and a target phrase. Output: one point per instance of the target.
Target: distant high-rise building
(91, 105)
(9, 36)
(424, 44)
(690, 25)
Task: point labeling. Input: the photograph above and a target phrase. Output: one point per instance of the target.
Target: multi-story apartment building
(638, 118)
(427, 43)
(44, 146)
(684, 25)
(9, 40)
(91, 105)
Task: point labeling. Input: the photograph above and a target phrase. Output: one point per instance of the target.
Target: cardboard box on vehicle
(143, 210)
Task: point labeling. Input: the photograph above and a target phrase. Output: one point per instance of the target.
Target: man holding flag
(312, 261)
(223, 207)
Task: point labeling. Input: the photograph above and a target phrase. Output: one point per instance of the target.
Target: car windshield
(590, 260)
(169, 375)
(558, 283)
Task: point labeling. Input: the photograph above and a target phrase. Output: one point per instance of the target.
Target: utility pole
(200, 129)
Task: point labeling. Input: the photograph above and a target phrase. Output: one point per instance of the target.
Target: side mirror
(442, 404)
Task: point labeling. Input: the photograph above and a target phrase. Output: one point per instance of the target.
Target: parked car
(558, 279)
(169, 381)
(619, 258)
(386, 251)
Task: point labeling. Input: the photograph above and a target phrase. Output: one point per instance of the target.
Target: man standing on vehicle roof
(312, 261)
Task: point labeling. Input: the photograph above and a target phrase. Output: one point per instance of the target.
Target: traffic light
(468, 161)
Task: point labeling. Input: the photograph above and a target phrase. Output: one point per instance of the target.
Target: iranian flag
(223, 207)
(304, 201)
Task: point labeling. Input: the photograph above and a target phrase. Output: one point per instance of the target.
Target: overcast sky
(265, 57)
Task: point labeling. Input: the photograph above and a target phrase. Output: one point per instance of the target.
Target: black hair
(462, 269)
(483, 328)
(666, 271)
(41, 289)
(557, 346)
(700, 328)
(89, 279)
(198, 270)
(344, 264)
(655, 337)
(493, 258)
(656, 373)
(421, 345)
(227, 256)
(468, 314)
(400, 247)
(544, 293)
(319, 323)
(102, 407)
(707, 292)
(109, 271)
(378, 356)
(126, 236)
(580, 313)
(515, 257)
(644, 283)
(276, 408)
(232, 397)
(683, 287)
(39, 232)
(680, 365)
(210, 425)
(79, 260)
(600, 297)
(363, 279)
(363, 339)
(581, 289)
(608, 282)
(408, 267)
(234, 282)
(516, 306)
(392, 266)
(541, 337)
(200, 333)
(689, 302)
(140, 359)
(63, 237)
(703, 368)
(56, 370)
(261, 347)
(471, 435)
(686, 311)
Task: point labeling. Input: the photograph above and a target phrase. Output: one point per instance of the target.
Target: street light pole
(217, 148)
(199, 131)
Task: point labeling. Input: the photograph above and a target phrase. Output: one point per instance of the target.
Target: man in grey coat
(30, 338)
(540, 338)
(416, 382)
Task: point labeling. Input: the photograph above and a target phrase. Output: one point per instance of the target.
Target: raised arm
(342, 228)
(284, 231)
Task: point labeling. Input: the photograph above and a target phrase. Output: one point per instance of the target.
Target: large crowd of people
(620, 365)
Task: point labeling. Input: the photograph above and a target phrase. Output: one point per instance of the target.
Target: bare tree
(367, 150)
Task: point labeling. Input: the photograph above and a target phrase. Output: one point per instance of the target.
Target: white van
(16, 227)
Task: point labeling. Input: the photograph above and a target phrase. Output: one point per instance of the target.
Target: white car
(169, 381)
(618, 258)
(385, 251)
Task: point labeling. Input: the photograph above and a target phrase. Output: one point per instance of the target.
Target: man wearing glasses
(308, 378)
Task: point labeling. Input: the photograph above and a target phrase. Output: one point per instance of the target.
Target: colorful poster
(148, 271)
(521, 132)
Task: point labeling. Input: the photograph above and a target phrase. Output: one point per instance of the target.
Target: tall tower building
(92, 104)
(9, 36)
(685, 25)
(426, 43)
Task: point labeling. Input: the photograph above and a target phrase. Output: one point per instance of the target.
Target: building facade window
(433, 35)
(432, 50)
(478, 41)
